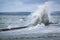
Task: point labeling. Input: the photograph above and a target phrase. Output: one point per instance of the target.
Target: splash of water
(35, 19)
(39, 16)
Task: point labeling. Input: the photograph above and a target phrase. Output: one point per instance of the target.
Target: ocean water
(6, 20)
(36, 30)
(50, 32)
(12, 18)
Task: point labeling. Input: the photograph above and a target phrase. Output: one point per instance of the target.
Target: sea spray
(39, 16)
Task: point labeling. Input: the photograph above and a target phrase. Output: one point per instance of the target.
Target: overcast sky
(25, 5)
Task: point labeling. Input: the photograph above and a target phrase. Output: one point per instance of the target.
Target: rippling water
(50, 32)
(6, 20)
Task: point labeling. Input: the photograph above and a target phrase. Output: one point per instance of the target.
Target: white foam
(36, 17)
(12, 26)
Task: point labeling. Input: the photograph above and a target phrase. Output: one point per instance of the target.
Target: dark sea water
(12, 18)
(49, 36)
(51, 32)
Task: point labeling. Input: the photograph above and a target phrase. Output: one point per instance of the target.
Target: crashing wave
(39, 16)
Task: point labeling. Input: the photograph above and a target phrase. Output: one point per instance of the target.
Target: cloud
(16, 6)
(54, 6)
(24, 5)
(34, 1)
(56, 1)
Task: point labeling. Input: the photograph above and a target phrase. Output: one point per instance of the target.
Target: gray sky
(25, 5)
